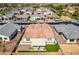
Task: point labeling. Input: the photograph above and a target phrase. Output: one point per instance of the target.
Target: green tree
(75, 15)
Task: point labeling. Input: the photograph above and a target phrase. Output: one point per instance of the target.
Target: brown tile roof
(39, 31)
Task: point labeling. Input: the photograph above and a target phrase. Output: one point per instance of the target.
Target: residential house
(18, 27)
(16, 12)
(29, 11)
(70, 9)
(38, 35)
(1, 26)
(8, 31)
(9, 15)
(47, 13)
(4, 18)
(36, 17)
(69, 31)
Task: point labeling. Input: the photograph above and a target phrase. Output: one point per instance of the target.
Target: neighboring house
(69, 9)
(42, 10)
(23, 15)
(4, 18)
(59, 27)
(50, 12)
(69, 31)
(8, 31)
(1, 26)
(18, 27)
(10, 15)
(29, 12)
(36, 17)
(38, 11)
(18, 17)
(23, 10)
(38, 35)
(47, 13)
(16, 12)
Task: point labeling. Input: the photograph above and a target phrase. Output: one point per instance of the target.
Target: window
(37, 18)
(28, 14)
(49, 39)
(49, 14)
(71, 40)
(27, 39)
(5, 38)
(38, 13)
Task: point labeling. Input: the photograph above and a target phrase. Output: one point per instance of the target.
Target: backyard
(49, 48)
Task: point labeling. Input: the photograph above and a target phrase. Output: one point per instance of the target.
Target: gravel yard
(8, 47)
(70, 49)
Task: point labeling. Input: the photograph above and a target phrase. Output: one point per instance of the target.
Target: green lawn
(53, 47)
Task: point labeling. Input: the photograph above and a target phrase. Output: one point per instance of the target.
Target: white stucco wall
(2, 36)
(30, 13)
(68, 41)
(50, 13)
(37, 41)
(34, 18)
(24, 42)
